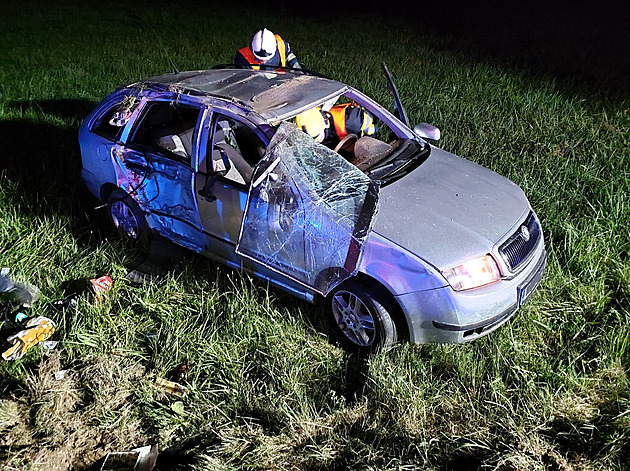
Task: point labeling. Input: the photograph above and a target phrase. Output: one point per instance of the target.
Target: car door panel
(161, 182)
(220, 186)
(221, 217)
(163, 188)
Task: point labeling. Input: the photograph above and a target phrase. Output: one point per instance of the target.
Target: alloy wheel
(353, 318)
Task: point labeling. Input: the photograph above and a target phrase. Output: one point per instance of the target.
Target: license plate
(529, 285)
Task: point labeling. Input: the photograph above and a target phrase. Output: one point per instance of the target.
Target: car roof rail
(303, 71)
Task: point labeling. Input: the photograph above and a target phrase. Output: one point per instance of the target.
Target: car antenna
(161, 43)
(175, 71)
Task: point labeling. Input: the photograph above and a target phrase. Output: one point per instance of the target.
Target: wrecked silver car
(399, 238)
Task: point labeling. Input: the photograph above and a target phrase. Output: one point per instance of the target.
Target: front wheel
(363, 322)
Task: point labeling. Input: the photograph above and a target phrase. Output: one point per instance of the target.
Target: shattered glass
(309, 211)
(123, 113)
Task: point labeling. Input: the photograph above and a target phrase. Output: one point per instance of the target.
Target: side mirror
(427, 131)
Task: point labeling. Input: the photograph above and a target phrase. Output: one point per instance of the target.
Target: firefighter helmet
(264, 45)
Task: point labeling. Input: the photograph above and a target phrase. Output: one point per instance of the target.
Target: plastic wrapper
(25, 293)
(101, 286)
(138, 459)
(171, 387)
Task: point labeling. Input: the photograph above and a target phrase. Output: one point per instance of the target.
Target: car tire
(127, 217)
(360, 318)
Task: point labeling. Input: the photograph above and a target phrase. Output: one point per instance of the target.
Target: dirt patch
(71, 416)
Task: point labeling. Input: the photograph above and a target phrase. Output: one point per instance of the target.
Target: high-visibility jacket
(282, 57)
(350, 118)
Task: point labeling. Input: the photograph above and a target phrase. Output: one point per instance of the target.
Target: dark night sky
(586, 40)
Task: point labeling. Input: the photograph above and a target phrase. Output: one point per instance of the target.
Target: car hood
(449, 209)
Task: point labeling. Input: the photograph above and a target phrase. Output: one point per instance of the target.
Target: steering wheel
(349, 137)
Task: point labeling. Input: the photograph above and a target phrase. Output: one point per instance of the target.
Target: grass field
(268, 389)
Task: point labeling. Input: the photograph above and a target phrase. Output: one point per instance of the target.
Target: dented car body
(400, 238)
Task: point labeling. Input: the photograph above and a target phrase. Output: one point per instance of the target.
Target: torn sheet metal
(309, 211)
(276, 96)
(279, 103)
(164, 188)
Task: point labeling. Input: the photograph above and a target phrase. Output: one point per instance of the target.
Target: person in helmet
(350, 118)
(332, 126)
(313, 123)
(266, 49)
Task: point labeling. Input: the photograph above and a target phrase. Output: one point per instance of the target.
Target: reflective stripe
(282, 49)
(359, 118)
(367, 128)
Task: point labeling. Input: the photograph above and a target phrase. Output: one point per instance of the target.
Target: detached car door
(308, 212)
(154, 165)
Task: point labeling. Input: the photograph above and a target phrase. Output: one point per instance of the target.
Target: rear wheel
(127, 216)
(361, 318)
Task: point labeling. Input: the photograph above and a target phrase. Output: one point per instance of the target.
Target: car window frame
(140, 113)
(207, 145)
(379, 111)
(107, 107)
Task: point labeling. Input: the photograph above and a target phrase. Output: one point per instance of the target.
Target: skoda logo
(525, 233)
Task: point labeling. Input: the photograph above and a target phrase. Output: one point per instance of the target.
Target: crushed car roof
(274, 95)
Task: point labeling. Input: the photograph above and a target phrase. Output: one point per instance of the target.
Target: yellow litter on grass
(37, 330)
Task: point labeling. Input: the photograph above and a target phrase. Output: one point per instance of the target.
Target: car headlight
(473, 273)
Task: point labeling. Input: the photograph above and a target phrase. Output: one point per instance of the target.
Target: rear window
(113, 120)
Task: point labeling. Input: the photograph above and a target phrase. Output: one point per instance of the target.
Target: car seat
(368, 151)
(240, 171)
(378, 159)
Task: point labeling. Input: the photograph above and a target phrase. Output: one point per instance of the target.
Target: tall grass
(268, 389)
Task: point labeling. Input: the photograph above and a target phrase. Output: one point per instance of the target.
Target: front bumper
(447, 316)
